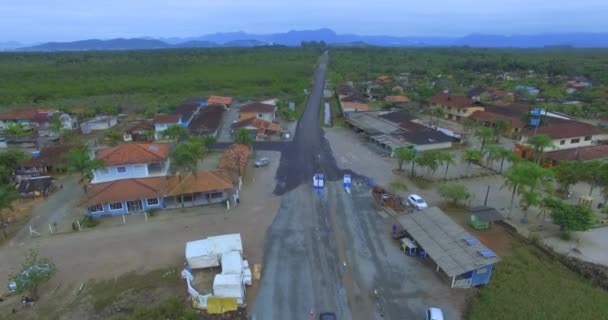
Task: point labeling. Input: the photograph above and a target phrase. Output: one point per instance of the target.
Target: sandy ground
(107, 252)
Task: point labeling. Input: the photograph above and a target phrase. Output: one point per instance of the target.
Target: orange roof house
(226, 101)
(353, 106)
(397, 99)
(134, 153)
(200, 182)
(126, 190)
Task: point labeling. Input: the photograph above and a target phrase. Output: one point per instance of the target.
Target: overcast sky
(62, 20)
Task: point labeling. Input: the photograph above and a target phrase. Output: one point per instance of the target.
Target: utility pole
(485, 202)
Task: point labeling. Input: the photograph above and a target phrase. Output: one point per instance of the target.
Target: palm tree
(485, 134)
(471, 155)
(469, 126)
(175, 132)
(184, 159)
(514, 178)
(15, 131)
(9, 160)
(593, 173)
(79, 162)
(501, 127)
(430, 160)
(149, 134)
(437, 113)
(539, 144)
(404, 155)
(57, 127)
(446, 158)
(8, 194)
(243, 136)
(114, 137)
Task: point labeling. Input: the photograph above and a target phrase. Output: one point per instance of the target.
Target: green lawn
(529, 285)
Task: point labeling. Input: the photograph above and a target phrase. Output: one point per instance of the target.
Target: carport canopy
(486, 214)
(453, 249)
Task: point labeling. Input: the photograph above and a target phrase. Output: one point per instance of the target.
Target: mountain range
(295, 38)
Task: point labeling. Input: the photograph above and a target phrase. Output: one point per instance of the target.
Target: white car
(417, 202)
(434, 314)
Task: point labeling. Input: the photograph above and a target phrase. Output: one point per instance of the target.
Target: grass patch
(529, 285)
(169, 309)
(421, 182)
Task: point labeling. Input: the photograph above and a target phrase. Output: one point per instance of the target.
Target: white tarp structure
(229, 286)
(206, 253)
(232, 262)
(202, 299)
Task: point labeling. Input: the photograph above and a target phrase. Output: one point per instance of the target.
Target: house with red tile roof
(258, 110)
(597, 152)
(226, 102)
(258, 127)
(455, 107)
(164, 121)
(132, 160)
(37, 119)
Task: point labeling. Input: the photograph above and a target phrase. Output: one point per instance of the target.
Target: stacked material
(232, 263)
(229, 286)
(247, 276)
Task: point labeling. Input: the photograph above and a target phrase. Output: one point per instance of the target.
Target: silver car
(262, 162)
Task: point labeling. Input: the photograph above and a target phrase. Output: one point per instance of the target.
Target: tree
(471, 155)
(57, 127)
(593, 172)
(469, 125)
(454, 192)
(525, 174)
(539, 144)
(243, 136)
(150, 134)
(114, 137)
(175, 132)
(185, 157)
(208, 141)
(405, 155)
(567, 173)
(11, 159)
(501, 127)
(485, 134)
(15, 131)
(429, 160)
(79, 162)
(34, 272)
(436, 114)
(8, 194)
(570, 217)
(446, 158)
(529, 199)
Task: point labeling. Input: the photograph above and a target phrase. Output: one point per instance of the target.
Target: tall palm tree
(57, 127)
(185, 157)
(243, 136)
(539, 144)
(79, 162)
(485, 134)
(471, 155)
(446, 158)
(501, 127)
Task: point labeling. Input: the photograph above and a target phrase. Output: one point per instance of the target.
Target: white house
(98, 123)
(565, 135)
(132, 160)
(162, 122)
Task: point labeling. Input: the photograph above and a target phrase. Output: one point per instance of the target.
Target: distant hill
(295, 38)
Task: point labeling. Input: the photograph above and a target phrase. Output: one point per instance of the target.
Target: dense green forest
(459, 69)
(153, 78)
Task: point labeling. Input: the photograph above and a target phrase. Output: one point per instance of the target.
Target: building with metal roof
(455, 251)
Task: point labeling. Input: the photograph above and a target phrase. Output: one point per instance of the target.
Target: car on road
(417, 202)
(327, 316)
(434, 314)
(262, 162)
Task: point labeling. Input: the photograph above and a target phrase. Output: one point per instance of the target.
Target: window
(587, 138)
(260, 115)
(96, 208)
(562, 142)
(121, 169)
(216, 195)
(116, 206)
(577, 140)
(152, 201)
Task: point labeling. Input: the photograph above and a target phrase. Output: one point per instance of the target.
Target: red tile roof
(257, 107)
(126, 190)
(449, 100)
(167, 118)
(258, 124)
(355, 106)
(566, 129)
(219, 100)
(140, 126)
(19, 114)
(489, 116)
(203, 181)
(133, 153)
(578, 154)
(207, 120)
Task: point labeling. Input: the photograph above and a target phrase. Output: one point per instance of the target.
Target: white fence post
(124, 220)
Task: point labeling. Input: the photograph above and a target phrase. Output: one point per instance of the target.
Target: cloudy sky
(63, 20)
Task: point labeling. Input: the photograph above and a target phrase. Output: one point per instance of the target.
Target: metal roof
(446, 242)
(370, 123)
(486, 214)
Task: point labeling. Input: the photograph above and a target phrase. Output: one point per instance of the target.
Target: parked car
(262, 162)
(417, 202)
(327, 316)
(434, 314)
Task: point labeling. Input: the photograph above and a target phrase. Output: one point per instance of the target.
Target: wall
(568, 144)
(480, 276)
(268, 116)
(433, 146)
(111, 173)
(107, 211)
(460, 112)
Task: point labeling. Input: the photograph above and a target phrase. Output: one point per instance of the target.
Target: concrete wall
(572, 142)
(124, 210)
(433, 146)
(131, 171)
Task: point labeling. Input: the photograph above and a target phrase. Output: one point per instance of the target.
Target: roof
(41, 118)
(167, 118)
(207, 120)
(578, 154)
(133, 153)
(444, 241)
(397, 99)
(370, 123)
(202, 181)
(257, 107)
(475, 92)
(35, 184)
(353, 98)
(489, 116)
(486, 214)
(126, 190)
(186, 110)
(397, 116)
(140, 126)
(355, 106)
(418, 134)
(219, 100)
(449, 100)
(19, 114)
(234, 159)
(258, 124)
(566, 129)
(49, 156)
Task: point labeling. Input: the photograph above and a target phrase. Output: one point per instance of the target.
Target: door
(134, 206)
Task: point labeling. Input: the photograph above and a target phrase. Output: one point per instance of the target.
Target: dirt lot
(106, 253)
